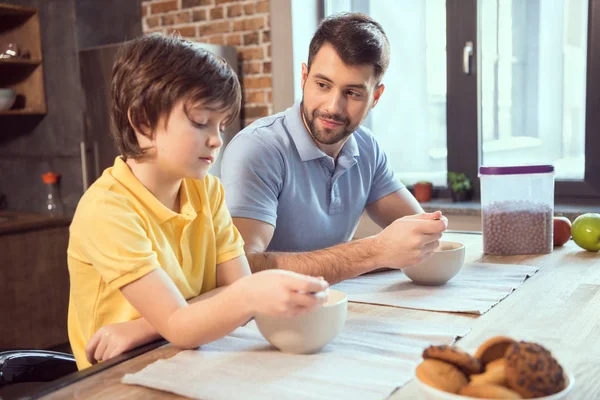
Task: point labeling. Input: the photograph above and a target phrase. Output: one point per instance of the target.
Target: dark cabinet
(59, 141)
(34, 281)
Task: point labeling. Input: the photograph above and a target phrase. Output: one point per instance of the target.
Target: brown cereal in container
(517, 227)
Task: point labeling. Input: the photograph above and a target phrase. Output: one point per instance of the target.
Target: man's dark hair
(356, 38)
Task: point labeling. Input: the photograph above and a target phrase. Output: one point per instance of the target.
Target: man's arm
(403, 243)
(335, 263)
(393, 206)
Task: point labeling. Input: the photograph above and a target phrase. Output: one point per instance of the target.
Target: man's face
(336, 97)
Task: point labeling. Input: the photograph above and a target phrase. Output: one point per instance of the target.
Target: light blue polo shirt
(274, 172)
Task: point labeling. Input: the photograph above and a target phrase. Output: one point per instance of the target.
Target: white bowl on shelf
(7, 98)
(431, 393)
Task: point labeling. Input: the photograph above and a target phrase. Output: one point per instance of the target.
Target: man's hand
(409, 240)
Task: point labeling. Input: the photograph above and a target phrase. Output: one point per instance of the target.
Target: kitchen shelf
(18, 62)
(23, 111)
(21, 25)
(11, 10)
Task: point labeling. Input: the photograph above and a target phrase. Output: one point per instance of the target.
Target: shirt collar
(189, 203)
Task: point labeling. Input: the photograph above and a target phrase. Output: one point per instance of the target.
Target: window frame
(463, 114)
(463, 105)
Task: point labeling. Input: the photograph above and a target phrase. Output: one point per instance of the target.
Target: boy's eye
(199, 125)
(354, 94)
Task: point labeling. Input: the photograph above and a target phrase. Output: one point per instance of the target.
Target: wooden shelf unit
(22, 111)
(21, 25)
(18, 62)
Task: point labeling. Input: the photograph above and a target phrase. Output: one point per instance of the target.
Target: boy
(153, 231)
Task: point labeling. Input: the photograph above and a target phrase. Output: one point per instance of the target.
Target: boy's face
(336, 97)
(187, 146)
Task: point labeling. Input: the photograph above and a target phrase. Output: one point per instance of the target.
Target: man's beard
(327, 136)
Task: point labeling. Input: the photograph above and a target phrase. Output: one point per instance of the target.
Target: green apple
(586, 231)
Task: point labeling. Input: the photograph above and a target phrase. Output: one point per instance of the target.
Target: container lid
(517, 170)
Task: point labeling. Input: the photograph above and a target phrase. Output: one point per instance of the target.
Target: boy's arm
(278, 293)
(122, 337)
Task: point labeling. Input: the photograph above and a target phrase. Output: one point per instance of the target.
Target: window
(410, 119)
(528, 98)
(532, 81)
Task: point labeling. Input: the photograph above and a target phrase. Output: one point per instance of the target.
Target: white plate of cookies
(501, 368)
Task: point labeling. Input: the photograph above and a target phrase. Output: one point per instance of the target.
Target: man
(297, 182)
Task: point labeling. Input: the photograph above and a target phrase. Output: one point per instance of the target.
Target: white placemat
(370, 358)
(475, 290)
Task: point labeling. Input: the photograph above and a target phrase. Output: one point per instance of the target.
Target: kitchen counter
(473, 208)
(557, 307)
(13, 221)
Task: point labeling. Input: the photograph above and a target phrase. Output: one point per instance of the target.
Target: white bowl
(309, 332)
(7, 99)
(432, 393)
(438, 269)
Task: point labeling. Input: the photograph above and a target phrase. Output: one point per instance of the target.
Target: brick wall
(244, 25)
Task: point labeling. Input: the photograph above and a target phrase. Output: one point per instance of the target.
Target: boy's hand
(282, 293)
(115, 339)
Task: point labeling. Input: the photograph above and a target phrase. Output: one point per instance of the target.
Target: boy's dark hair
(153, 73)
(356, 38)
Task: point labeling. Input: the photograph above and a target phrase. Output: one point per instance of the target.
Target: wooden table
(558, 307)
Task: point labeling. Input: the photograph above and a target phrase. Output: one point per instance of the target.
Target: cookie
(531, 370)
(463, 360)
(495, 375)
(441, 375)
(488, 391)
(495, 364)
(493, 349)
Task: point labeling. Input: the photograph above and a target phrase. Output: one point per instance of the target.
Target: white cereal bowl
(7, 98)
(431, 393)
(309, 332)
(443, 265)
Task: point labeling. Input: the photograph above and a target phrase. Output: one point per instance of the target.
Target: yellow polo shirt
(121, 232)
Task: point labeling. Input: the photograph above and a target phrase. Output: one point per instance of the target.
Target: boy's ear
(140, 129)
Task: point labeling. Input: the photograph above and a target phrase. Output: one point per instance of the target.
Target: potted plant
(422, 191)
(460, 186)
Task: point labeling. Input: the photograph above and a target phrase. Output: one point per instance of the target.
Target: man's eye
(321, 85)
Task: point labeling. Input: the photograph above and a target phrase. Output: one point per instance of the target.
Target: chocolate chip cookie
(532, 371)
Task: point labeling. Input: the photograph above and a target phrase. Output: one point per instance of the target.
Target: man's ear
(304, 75)
(377, 94)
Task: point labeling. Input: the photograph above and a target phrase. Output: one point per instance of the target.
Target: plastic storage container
(517, 206)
